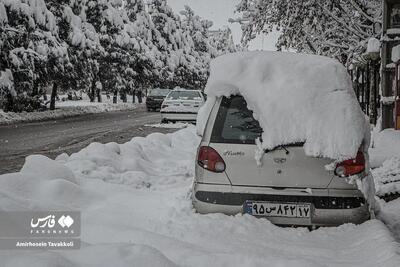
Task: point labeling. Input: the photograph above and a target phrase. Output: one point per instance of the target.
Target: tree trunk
(98, 95)
(53, 96)
(140, 96)
(125, 97)
(35, 90)
(44, 95)
(115, 97)
(133, 96)
(92, 91)
(8, 105)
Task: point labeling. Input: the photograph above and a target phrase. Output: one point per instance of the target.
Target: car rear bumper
(179, 116)
(329, 207)
(153, 104)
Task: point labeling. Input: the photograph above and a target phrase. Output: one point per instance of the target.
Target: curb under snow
(7, 118)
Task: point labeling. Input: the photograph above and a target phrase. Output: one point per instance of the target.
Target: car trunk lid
(280, 168)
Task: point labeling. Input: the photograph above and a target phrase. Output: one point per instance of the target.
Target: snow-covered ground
(136, 210)
(68, 109)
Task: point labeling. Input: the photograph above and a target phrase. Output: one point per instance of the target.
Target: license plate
(272, 209)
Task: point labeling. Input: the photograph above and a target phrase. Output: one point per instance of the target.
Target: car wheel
(164, 121)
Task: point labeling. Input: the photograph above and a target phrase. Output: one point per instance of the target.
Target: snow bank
(64, 109)
(295, 97)
(390, 215)
(385, 145)
(148, 162)
(387, 177)
(41, 183)
(384, 158)
(136, 210)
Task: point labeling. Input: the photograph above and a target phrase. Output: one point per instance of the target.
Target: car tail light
(209, 159)
(351, 166)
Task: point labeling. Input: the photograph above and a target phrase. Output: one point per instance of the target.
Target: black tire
(164, 121)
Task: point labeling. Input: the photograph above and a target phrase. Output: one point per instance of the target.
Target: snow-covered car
(303, 161)
(181, 105)
(155, 98)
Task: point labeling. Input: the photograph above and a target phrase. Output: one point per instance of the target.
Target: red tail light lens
(209, 159)
(351, 166)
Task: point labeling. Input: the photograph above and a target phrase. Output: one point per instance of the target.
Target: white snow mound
(295, 98)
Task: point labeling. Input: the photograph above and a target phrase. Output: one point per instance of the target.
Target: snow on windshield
(295, 98)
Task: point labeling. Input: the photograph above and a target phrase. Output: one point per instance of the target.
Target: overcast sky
(219, 11)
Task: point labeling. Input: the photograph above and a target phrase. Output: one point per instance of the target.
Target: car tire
(164, 121)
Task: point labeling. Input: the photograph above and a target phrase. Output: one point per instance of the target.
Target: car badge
(279, 160)
(233, 153)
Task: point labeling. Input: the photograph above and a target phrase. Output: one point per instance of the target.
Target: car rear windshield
(186, 95)
(159, 92)
(235, 123)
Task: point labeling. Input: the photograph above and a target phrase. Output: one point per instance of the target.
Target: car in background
(182, 105)
(155, 98)
(289, 188)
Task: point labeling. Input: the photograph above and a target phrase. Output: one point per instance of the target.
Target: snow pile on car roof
(296, 98)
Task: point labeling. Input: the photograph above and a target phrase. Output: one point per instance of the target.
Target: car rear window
(185, 95)
(235, 123)
(159, 92)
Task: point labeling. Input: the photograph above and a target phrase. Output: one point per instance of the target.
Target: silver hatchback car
(288, 188)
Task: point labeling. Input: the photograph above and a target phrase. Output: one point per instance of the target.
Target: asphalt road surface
(53, 137)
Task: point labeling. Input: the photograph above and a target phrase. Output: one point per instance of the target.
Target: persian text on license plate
(271, 209)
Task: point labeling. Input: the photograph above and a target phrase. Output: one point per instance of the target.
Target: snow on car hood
(295, 97)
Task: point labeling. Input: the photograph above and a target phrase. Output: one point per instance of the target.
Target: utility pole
(390, 38)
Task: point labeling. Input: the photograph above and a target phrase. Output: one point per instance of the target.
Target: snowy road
(69, 135)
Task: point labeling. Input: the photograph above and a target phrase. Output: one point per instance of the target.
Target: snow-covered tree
(340, 29)
(221, 41)
(30, 45)
(116, 45)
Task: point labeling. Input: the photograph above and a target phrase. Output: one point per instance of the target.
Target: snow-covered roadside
(136, 210)
(177, 125)
(384, 146)
(66, 109)
(385, 161)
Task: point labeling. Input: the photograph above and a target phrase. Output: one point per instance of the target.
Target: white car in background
(182, 105)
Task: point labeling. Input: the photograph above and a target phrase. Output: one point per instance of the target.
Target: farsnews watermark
(46, 225)
(46, 230)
